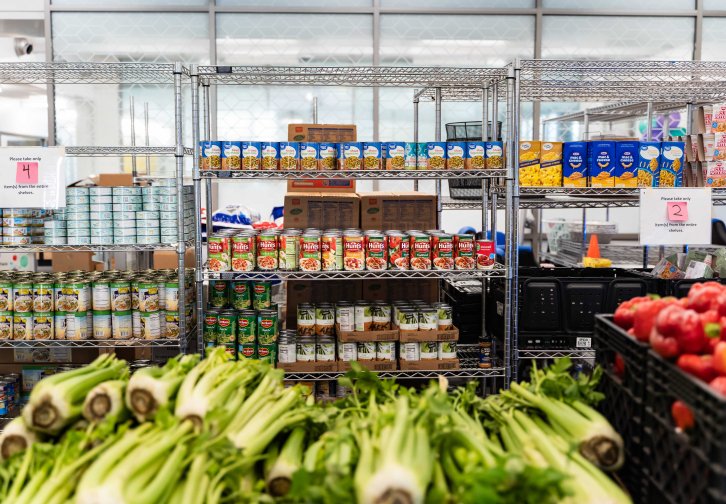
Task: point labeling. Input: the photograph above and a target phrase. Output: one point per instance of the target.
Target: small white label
(500, 308)
(583, 343)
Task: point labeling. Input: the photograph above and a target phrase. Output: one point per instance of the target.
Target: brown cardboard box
(402, 210)
(322, 185)
(321, 133)
(113, 179)
(429, 365)
(69, 261)
(374, 365)
(361, 336)
(311, 291)
(168, 259)
(322, 210)
(308, 367)
(420, 336)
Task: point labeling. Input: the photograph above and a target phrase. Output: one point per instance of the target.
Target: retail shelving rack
(171, 74)
(438, 82)
(625, 88)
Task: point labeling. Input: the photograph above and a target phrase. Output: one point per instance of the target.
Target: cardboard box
(370, 365)
(113, 179)
(419, 336)
(70, 261)
(362, 336)
(322, 185)
(308, 367)
(550, 174)
(429, 365)
(322, 133)
(529, 163)
(311, 291)
(168, 259)
(402, 210)
(648, 164)
(427, 290)
(626, 164)
(322, 211)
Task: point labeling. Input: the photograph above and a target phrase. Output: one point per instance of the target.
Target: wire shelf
(471, 373)
(460, 94)
(617, 111)
(574, 353)
(454, 204)
(497, 271)
(357, 76)
(121, 150)
(87, 73)
(129, 343)
(92, 248)
(351, 174)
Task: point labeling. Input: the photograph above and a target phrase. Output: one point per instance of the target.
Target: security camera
(23, 47)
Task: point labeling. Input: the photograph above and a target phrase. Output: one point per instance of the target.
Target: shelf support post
(198, 281)
(439, 205)
(415, 130)
(181, 243)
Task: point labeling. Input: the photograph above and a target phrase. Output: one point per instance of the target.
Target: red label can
(464, 252)
(219, 257)
(442, 251)
(310, 252)
(420, 251)
(353, 252)
(243, 253)
(376, 251)
(486, 254)
(398, 251)
(267, 251)
(329, 252)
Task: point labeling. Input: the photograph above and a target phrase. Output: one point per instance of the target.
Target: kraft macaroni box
(626, 164)
(574, 155)
(602, 163)
(648, 164)
(672, 160)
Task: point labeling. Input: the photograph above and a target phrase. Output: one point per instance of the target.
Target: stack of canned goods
(160, 219)
(418, 315)
(242, 318)
(250, 155)
(126, 202)
(23, 226)
(10, 393)
(91, 305)
(350, 250)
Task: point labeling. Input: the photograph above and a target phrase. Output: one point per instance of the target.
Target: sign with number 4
(34, 177)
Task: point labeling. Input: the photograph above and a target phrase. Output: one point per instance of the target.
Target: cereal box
(648, 164)
(672, 160)
(494, 153)
(719, 147)
(714, 174)
(718, 118)
(551, 164)
(529, 152)
(574, 164)
(602, 163)
(626, 164)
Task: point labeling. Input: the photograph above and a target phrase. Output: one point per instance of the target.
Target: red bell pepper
(678, 331)
(719, 385)
(625, 313)
(700, 366)
(705, 297)
(719, 358)
(645, 314)
(682, 415)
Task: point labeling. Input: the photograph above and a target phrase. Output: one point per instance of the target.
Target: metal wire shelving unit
(436, 84)
(171, 74)
(497, 272)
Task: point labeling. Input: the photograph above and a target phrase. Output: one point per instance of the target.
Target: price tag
(32, 177)
(675, 216)
(677, 211)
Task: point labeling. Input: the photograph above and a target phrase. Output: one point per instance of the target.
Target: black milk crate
(680, 288)
(690, 466)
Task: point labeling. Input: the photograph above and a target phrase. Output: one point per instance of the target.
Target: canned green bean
(427, 319)
(262, 295)
(363, 316)
(325, 349)
(6, 295)
(305, 349)
(286, 351)
(209, 331)
(267, 327)
(381, 317)
(306, 319)
(345, 316)
(267, 353)
(447, 350)
(410, 352)
(408, 319)
(226, 327)
(366, 351)
(240, 295)
(444, 316)
(248, 350)
(324, 319)
(347, 351)
(386, 351)
(23, 326)
(429, 350)
(218, 294)
(246, 326)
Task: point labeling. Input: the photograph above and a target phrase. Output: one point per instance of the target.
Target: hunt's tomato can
(243, 252)
(486, 254)
(219, 256)
(420, 251)
(310, 252)
(398, 247)
(464, 252)
(442, 251)
(376, 250)
(331, 251)
(353, 250)
(267, 250)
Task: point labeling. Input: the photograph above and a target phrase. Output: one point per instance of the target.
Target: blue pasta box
(574, 169)
(648, 164)
(672, 159)
(626, 164)
(602, 163)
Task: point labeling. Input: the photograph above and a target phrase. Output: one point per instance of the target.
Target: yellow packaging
(551, 164)
(529, 166)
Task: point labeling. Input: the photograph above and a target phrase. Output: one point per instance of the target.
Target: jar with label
(305, 349)
(325, 349)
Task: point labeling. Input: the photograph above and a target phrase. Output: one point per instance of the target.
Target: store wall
(351, 32)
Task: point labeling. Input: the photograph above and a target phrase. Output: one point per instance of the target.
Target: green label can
(6, 325)
(120, 296)
(261, 296)
(43, 297)
(267, 327)
(226, 327)
(240, 295)
(6, 295)
(231, 350)
(267, 353)
(246, 326)
(209, 333)
(247, 350)
(218, 294)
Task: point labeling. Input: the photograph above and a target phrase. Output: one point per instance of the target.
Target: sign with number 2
(678, 211)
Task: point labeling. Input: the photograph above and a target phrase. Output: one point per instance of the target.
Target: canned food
(240, 297)
(102, 325)
(350, 156)
(442, 251)
(22, 326)
(270, 155)
(171, 294)
(100, 199)
(474, 156)
(324, 320)
(126, 191)
(381, 315)
(376, 249)
(407, 319)
(347, 351)
(447, 350)
(251, 155)
(261, 295)
(16, 231)
(267, 353)
(150, 325)
(23, 297)
(486, 254)
(125, 232)
(226, 327)
(121, 325)
(243, 252)
(494, 155)
(305, 349)
(120, 295)
(366, 350)
(219, 253)
(328, 154)
(427, 319)
(289, 155)
(325, 349)
(77, 191)
(464, 251)
(444, 317)
(77, 326)
(331, 252)
(267, 327)
(353, 251)
(43, 297)
(363, 316)
(309, 155)
(231, 351)
(210, 154)
(410, 352)
(267, 251)
(247, 350)
(230, 155)
(59, 322)
(209, 330)
(99, 232)
(148, 296)
(429, 350)
(420, 251)
(398, 246)
(6, 295)
(395, 155)
(305, 319)
(386, 351)
(136, 329)
(455, 155)
(372, 155)
(126, 207)
(436, 156)
(16, 240)
(101, 295)
(6, 325)
(218, 294)
(289, 249)
(247, 326)
(310, 256)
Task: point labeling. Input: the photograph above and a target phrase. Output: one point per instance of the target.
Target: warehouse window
(714, 38)
(625, 5)
(459, 4)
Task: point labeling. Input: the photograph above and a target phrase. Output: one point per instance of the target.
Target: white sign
(677, 216)
(32, 177)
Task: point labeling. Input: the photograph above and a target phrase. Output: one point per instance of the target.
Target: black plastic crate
(691, 466)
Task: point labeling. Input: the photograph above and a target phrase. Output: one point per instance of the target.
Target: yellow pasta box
(601, 158)
(626, 164)
(648, 164)
(529, 167)
(574, 169)
(672, 159)
(550, 174)
(714, 174)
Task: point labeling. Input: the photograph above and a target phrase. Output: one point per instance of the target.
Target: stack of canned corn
(93, 305)
(23, 226)
(242, 318)
(250, 155)
(122, 215)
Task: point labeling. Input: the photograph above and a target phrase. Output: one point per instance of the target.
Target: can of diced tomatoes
(353, 250)
(219, 254)
(310, 252)
(243, 252)
(267, 250)
(331, 251)
(420, 251)
(486, 254)
(376, 250)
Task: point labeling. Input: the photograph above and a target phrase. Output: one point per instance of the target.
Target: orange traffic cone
(593, 250)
